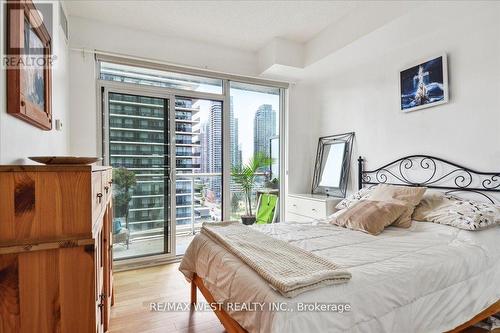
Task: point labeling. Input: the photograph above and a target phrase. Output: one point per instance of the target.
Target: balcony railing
(187, 154)
(195, 202)
(187, 142)
(202, 206)
(188, 165)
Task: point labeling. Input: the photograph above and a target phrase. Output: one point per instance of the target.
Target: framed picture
(29, 65)
(424, 84)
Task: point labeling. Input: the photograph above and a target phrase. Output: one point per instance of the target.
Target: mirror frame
(324, 141)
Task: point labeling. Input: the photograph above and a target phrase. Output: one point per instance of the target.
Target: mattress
(428, 278)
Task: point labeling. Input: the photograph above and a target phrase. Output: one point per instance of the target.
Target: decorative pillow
(403, 195)
(362, 194)
(457, 212)
(368, 216)
(430, 201)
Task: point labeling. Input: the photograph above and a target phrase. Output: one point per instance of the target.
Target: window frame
(103, 86)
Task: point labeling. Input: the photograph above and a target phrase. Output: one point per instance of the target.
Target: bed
(428, 278)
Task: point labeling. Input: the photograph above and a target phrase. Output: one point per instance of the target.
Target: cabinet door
(98, 196)
(99, 270)
(48, 291)
(108, 263)
(76, 288)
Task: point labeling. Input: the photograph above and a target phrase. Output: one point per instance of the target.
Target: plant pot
(248, 219)
(118, 224)
(272, 185)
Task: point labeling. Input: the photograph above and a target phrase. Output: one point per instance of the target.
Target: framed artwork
(424, 84)
(29, 66)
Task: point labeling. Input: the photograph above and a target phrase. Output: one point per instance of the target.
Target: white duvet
(428, 278)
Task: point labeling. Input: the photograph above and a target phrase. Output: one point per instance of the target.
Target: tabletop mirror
(331, 170)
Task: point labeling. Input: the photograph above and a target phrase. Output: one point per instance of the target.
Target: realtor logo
(29, 34)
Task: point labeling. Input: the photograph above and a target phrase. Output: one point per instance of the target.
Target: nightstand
(309, 207)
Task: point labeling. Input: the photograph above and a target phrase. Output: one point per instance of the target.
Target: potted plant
(273, 184)
(123, 183)
(244, 176)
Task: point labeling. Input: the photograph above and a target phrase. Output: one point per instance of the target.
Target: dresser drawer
(310, 208)
(292, 217)
(107, 181)
(98, 196)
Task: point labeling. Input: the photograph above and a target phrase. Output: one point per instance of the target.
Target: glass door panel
(198, 165)
(138, 151)
(254, 135)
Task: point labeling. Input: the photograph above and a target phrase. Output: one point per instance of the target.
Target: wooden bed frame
(442, 174)
(229, 323)
(232, 325)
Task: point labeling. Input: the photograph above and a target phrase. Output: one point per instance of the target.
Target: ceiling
(244, 25)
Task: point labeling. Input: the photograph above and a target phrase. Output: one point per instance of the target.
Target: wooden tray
(64, 159)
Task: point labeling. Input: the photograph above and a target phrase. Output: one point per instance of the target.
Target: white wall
(356, 89)
(93, 35)
(353, 89)
(302, 137)
(19, 139)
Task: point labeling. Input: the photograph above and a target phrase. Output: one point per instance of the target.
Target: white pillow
(362, 194)
(460, 213)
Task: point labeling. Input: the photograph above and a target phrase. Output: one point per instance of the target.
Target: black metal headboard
(433, 172)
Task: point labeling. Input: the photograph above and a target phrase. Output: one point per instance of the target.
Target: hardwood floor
(136, 289)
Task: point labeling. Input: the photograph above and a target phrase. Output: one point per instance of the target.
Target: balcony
(179, 115)
(151, 245)
(196, 202)
(186, 109)
(183, 128)
(187, 142)
(183, 103)
(187, 165)
(182, 203)
(183, 154)
(137, 137)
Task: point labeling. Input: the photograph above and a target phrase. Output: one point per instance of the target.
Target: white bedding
(429, 278)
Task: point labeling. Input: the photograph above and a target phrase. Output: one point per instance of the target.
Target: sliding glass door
(145, 173)
(198, 165)
(139, 152)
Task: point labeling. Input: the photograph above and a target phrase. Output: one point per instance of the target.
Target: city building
(137, 142)
(234, 128)
(214, 148)
(187, 159)
(264, 128)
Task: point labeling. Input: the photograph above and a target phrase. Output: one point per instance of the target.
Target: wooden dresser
(55, 248)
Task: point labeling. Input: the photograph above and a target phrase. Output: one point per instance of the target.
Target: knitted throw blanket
(289, 269)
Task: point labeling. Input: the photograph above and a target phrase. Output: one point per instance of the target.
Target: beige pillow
(368, 216)
(430, 201)
(403, 195)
